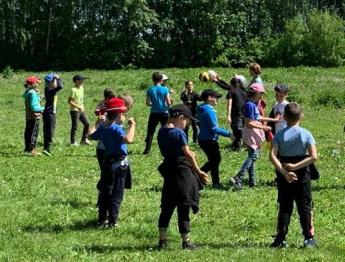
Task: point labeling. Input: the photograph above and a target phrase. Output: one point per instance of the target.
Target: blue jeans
(249, 165)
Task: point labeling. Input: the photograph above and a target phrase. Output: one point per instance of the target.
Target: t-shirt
(251, 110)
(111, 137)
(171, 141)
(157, 95)
(77, 93)
(293, 141)
(255, 80)
(279, 110)
(238, 97)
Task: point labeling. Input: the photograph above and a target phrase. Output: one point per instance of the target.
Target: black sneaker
(217, 186)
(278, 242)
(234, 180)
(189, 245)
(113, 223)
(162, 244)
(311, 242)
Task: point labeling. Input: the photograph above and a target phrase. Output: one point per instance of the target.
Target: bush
(8, 72)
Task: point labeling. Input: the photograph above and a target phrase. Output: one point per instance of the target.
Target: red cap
(116, 105)
(32, 80)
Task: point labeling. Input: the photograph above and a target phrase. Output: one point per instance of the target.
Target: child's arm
(289, 176)
(268, 119)
(191, 158)
(255, 124)
(148, 101)
(228, 109)
(168, 100)
(305, 162)
(130, 135)
(72, 103)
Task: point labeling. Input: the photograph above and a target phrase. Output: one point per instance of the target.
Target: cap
(78, 77)
(50, 77)
(257, 88)
(281, 88)
(116, 105)
(242, 79)
(209, 92)
(165, 77)
(181, 110)
(32, 80)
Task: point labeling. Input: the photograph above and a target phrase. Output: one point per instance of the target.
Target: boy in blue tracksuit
(208, 134)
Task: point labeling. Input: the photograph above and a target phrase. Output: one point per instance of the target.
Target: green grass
(47, 204)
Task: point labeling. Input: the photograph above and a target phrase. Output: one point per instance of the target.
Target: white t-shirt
(279, 109)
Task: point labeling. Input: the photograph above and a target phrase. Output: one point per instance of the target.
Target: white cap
(165, 77)
(212, 73)
(242, 78)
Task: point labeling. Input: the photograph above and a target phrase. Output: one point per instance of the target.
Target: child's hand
(228, 119)
(267, 128)
(232, 137)
(289, 166)
(204, 177)
(172, 91)
(131, 121)
(291, 177)
(81, 108)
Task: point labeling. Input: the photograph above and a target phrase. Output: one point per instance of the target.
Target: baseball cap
(209, 92)
(165, 77)
(257, 88)
(242, 79)
(116, 105)
(78, 77)
(32, 80)
(181, 110)
(50, 77)
(281, 88)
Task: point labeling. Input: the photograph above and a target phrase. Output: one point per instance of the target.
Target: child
(158, 98)
(181, 175)
(127, 99)
(33, 112)
(293, 174)
(190, 98)
(77, 110)
(53, 85)
(255, 71)
(252, 134)
(115, 174)
(208, 135)
(236, 100)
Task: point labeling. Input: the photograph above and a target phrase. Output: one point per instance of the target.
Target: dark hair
(255, 67)
(186, 83)
(157, 77)
(236, 82)
(112, 115)
(292, 112)
(108, 92)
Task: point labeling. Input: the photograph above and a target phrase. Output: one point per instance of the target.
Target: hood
(28, 92)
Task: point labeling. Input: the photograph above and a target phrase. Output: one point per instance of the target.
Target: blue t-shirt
(171, 141)
(157, 95)
(293, 141)
(111, 137)
(251, 110)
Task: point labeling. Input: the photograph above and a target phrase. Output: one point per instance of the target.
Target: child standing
(33, 112)
(189, 98)
(292, 143)
(253, 135)
(158, 98)
(208, 135)
(53, 85)
(77, 110)
(115, 176)
(181, 176)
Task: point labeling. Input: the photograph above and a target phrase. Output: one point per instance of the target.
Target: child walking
(293, 173)
(181, 175)
(115, 175)
(77, 110)
(53, 86)
(33, 112)
(189, 98)
(253, 135)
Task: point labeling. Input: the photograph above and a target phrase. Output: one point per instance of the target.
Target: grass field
(47, 204)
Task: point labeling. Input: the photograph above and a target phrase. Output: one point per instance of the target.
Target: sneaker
(86, 142)
(311, 242)
(34, 152)
(74, 144)
(236, 182)
(46, 152)
(278, 242)
(189, 245)
(113, 223)
(146, 152)
(217, 186)
(163, 244)
(102, 223)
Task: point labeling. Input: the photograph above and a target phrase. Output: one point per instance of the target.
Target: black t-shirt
(238, 96)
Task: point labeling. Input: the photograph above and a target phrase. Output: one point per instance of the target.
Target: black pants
(49, 123)
(195, 131)
(167, 210)
(237, 125)
(31, 134)
(211, 149)
(75, 116)
(153, 121)
(100, 153)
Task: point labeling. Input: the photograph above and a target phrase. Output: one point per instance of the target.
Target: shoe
(311, 242)
(86, 142)
(46, 152)
(234, 180)
(146, 152)
(189, 245)
(102, 223)
(34, 152)
(252, 186)
(74, 144)
(217, 186)
(278, 242)
(163, 244)
(113, 223)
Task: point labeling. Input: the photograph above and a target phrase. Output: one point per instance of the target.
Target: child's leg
(100, 153)
(74, 127)
(85, 121)
(48, 130)
(183, 220)
(211, 149)
(116, 197)
(195, 131)
(253, 155)
(102, 207)
(34, 134)
(151, 127)
(237, 128)
(29, 127)
(163, 119)
(167, 210)
(186, 131)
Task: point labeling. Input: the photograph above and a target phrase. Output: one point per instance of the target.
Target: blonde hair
(255, 67)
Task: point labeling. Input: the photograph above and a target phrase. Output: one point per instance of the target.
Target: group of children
(292, 153)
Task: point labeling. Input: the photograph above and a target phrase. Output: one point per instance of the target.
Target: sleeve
(34, 102)
(97, 134)
(182, 138)
(222, 84)
(184, 97)
(121, 132)
(197, 97)
(211, 120)
(72, 93)
(310, 139)
(249, 111)
(229, 95)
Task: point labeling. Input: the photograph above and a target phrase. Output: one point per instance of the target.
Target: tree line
(114, 34)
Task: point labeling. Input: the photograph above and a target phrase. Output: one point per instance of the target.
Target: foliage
(8, 72)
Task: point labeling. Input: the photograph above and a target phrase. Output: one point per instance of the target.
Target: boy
(158, 98)
(115, 176)
(181, 176)
(189, 98)
(77, 110)
(293, 175)
(208, 135)
(33, 112)
(53, 85)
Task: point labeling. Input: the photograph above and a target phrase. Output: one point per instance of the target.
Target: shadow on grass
(111, 248)
(78, 226)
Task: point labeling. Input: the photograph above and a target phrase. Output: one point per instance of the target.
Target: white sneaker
(86, 142)
(74, 144)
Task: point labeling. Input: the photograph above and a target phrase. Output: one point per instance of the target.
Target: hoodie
(32, 104)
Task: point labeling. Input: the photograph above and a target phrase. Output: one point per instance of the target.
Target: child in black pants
(293, 173)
